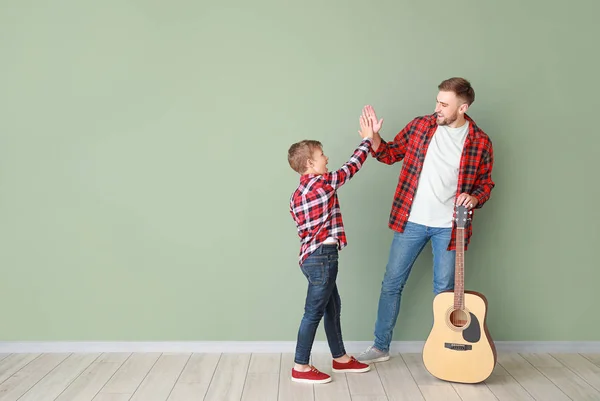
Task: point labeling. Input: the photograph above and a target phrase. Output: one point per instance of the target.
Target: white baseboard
(352, 347)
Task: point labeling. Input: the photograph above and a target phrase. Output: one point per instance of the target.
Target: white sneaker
(372, 355)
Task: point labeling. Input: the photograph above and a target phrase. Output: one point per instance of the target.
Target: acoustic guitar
(459, 347)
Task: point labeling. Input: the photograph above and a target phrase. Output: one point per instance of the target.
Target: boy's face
(318, 164)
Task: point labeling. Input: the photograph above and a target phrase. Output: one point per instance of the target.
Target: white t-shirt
(436, 192)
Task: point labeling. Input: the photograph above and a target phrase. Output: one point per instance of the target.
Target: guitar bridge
(458, 347)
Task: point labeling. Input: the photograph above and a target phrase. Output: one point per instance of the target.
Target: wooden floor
(250, 377)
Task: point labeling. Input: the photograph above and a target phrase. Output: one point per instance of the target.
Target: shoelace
(353, 360)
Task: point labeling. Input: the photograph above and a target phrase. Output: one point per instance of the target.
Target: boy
(315, 208)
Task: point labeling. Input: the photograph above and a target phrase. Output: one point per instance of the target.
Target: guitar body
(459, 347)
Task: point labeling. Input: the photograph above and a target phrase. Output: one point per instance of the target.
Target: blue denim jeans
(405, 249)
(322, 301)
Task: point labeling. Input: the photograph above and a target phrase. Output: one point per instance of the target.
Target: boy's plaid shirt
(410, 145)
(314, 205)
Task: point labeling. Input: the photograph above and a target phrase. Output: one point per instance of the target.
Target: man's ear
(463, 108)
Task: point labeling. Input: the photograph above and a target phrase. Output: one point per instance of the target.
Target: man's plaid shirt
(314, 205)
(410, 145)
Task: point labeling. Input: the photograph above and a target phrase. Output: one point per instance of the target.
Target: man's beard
(447, 120)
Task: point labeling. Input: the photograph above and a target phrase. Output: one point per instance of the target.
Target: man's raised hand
(369, 113)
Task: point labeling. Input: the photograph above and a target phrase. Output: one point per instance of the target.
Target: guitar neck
(459, 273)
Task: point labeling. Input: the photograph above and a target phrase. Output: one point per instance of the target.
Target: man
(447, 161)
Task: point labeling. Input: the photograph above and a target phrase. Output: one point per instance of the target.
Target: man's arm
(482, 188)
(390, 152)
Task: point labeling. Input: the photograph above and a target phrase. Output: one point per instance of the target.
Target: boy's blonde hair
(300, 152)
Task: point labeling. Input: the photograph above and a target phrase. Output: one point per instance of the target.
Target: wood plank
(564, 378)
(593, 358)
(366, 385)
(228, 381)
(162, 377)
(262, 379)
(200, 368)
(369, 398)
(131, 373)
(542, 360)
(13, 363)
(581, 366)
(289, 390)
(505, 387)
(532, 380)
(474, 392)
(337, 389)
(397, 380)
(427, 383)
(91, 381)
(111, 397)
(60, 378)
(433, 392)
(19, 383)
(195, 378)
(414, 362)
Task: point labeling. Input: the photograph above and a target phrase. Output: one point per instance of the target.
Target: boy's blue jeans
(404, 250)
(322, 301)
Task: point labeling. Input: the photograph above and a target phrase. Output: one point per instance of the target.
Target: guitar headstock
(462, 216)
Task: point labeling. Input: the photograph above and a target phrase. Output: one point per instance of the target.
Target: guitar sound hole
(458, 318)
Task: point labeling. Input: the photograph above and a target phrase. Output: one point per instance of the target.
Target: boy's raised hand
(369, 112)
(366, 127)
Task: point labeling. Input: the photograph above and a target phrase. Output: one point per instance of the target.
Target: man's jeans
(404, 250)
(322, 301)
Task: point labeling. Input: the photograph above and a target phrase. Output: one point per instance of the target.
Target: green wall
(144, 184)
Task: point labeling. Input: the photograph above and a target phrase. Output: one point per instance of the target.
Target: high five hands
(369, 112)
(366, 127)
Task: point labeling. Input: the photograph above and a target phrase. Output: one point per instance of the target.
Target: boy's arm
(392, 152)
(482, 188)
(338, 178)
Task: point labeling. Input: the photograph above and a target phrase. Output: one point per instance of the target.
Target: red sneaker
(312, 376)
(353, 366)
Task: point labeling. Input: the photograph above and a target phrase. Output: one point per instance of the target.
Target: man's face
(448, 107)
